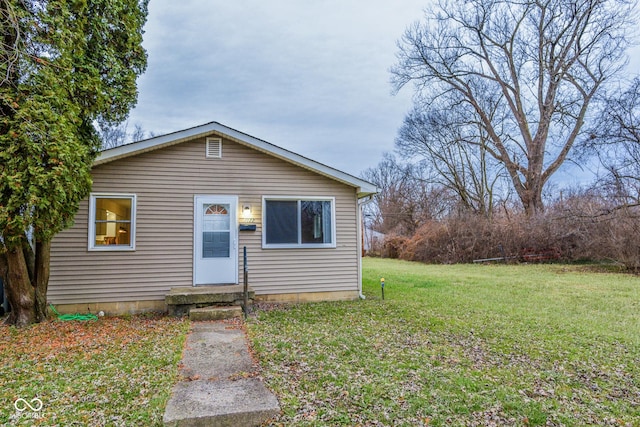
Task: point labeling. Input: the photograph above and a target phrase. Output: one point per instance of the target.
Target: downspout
(361, 203)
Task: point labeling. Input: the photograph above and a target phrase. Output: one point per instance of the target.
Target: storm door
(215, 235)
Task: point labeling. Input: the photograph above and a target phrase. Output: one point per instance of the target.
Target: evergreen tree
(64, 66)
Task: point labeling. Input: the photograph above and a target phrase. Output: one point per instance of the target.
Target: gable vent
(214, 148)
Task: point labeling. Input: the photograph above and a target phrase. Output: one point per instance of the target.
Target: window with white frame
(112, 222)
(298, 222)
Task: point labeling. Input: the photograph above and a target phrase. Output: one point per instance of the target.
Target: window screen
(282, 221)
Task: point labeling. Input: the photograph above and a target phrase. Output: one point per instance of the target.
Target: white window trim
(92, 223)
(331, 245)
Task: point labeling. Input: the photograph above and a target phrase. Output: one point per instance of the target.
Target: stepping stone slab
(219, 388)
(245, 402)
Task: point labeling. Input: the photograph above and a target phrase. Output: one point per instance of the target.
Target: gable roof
(364, 188)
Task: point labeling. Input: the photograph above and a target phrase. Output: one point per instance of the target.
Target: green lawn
(109, 372)
(460, 345)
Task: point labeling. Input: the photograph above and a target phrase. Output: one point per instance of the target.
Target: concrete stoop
(220, 385)
(215, 312)
(181, 301)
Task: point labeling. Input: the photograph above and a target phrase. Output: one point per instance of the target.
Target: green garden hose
(77, 316)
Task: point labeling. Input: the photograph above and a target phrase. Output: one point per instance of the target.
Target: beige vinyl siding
(165, 182)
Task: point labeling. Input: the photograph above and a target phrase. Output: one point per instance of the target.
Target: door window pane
(216, 232)
(215, 244)
(216, 217)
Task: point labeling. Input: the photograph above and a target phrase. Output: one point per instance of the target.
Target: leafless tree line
(426, 220)
(506, 94)
(116, 135)
(450, 203)
(509, 87)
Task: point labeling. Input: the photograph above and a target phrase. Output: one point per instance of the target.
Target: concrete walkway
(219, 385)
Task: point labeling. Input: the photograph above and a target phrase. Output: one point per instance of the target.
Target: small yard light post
(382, 286)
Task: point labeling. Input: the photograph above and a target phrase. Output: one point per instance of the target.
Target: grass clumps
(460, 345)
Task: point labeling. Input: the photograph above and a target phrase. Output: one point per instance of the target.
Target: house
(178, 209)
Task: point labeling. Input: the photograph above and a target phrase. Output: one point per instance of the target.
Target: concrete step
(215, 312)
(206, 295)
(180, 301)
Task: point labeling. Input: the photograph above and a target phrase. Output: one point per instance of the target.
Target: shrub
(574, 230)
(393, 245)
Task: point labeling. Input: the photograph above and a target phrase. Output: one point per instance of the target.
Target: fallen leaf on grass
(93, 373)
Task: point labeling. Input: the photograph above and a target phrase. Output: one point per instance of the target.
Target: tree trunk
(20, 292)
(532, 200)
(4, 275)
(43, 255)
(29, 259)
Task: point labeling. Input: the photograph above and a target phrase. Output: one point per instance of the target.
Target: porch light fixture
(246, 211)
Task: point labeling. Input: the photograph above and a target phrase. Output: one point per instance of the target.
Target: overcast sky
(311, 77)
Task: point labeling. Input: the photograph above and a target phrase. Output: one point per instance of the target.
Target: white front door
(215, 240)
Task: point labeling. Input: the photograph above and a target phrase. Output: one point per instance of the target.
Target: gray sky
(311, 77)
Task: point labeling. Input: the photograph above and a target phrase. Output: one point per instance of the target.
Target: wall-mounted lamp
(246, 211)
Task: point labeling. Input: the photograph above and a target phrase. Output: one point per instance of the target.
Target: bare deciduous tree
(616, 140)
(116, 135)
(406, 199)
(138, 133)
(454, 149)
(530, 71)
